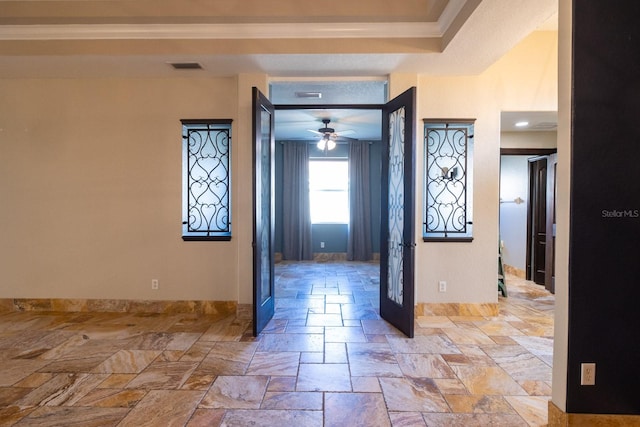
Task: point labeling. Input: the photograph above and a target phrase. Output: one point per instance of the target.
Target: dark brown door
(537, 220)
(397, 242)
(263, 211)
(550, 270)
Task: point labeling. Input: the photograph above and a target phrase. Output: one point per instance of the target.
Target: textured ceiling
(292, 125)
(537, 121)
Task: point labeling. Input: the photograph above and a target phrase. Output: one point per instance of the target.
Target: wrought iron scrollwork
(447, 147)
(208, 179)
(395, 291)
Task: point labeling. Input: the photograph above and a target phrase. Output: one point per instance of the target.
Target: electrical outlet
(588, 374)
(322, 245)
(154, 284)
(442, 286)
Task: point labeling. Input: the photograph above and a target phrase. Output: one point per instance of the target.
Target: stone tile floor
(326, 359)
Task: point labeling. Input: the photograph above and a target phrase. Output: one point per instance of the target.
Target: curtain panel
(296, 213)
(359, 246)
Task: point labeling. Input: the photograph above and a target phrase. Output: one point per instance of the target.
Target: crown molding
(220, 31)
(450, 12)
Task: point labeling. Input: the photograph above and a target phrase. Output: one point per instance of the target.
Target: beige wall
(90, 182)
(90, 190)
(542, 139)
(523, 80)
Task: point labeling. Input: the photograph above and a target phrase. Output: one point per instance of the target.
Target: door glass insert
(396, 205)
(265, 240)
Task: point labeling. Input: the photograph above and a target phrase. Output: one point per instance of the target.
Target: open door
(263, 211)
(537, 220)
(397, 240)
(550, 247)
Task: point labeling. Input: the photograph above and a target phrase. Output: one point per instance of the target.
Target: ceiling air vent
(186, 65)
(308, 95)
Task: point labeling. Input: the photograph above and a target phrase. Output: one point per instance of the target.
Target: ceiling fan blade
(338, 138)
(345, 132)
(315, 131)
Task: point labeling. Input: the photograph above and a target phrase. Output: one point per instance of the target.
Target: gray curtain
(359, 239)
(296, 213)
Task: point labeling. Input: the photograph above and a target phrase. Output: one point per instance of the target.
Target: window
(448, 148)
(329, 191)
(206, 171)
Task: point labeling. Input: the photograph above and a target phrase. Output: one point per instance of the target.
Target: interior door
(537, 222)
(397, 240)
(550, 270)
(263, 211)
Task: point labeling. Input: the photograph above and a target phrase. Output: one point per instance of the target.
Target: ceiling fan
(329, 136)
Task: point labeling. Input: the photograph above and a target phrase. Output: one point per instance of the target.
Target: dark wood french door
(397, 240)
(263, 211)
(397, 244)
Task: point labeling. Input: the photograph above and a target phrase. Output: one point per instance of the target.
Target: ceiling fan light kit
(326, 143)
(329, 136)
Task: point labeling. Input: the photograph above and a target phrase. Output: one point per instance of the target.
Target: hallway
(325, 359)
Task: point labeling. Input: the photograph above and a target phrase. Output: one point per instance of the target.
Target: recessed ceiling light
(522, 124)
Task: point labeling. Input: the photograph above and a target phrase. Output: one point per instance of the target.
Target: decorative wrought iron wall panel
(396, 205)
(207, 180)
(448, 175)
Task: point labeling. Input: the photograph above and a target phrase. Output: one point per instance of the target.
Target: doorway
(527, 213)
(397, 247)
(528, 141)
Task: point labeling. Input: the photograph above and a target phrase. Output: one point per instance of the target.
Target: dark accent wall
(334, 235)
(604, 252)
